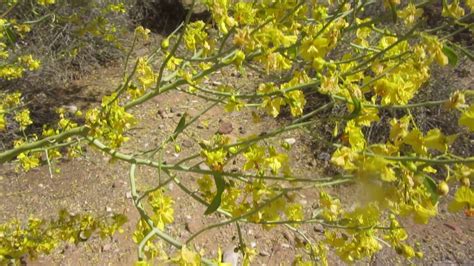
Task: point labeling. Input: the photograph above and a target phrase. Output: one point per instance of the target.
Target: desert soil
(93, 184)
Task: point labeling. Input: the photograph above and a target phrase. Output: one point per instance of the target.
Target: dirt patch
(94, 184)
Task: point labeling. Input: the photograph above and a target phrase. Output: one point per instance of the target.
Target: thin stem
(49, 163)
(243, 216)
(175, 46)
(12, 153)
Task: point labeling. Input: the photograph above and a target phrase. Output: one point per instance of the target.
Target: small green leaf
(216, 202)
(180, 127)
(11, 36)
(432, 187)
(451, 54)
(357, 108)
(393, 10)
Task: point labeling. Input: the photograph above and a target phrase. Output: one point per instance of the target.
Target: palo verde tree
(361, 64)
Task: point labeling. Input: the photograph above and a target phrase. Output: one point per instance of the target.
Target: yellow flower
(410, 14)
(23, 118)
(453, 10)
(162, 206)
(45, 2)
(142, 32)
(467, 118)
(297, 101)
(356, 137)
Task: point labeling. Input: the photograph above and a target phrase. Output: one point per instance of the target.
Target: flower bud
(443, 188)
(165, 44)
(465, 182)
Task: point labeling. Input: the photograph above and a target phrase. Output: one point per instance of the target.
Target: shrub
(361, 64)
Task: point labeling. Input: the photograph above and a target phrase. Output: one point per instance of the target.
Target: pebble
(324, 156)
(72, 109)
(128, 195)
(318, 228)
(108, 209)
(187, 143)
(264, 253)
(204, 167)
(242, 130)
(225, 128)
(231, 257)
(290, 141)
(106, 247)
(162, 113)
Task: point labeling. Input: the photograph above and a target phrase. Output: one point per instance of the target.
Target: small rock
(231, 257)
(108, 209)
(199, 126)
(290, 141)
(83, 236)
(324, 156)
(179, 114)
(204, 167)
(253, 244)
(225, 128)
(160, 126)
(162, 113)
(242, 130)
(106, 247)
(318, 228)
(72, 109)
(216, 83)
(128, 195)
(191, 226)
(172, 110)
(284, 245)
(187, 143)
(264, 253)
